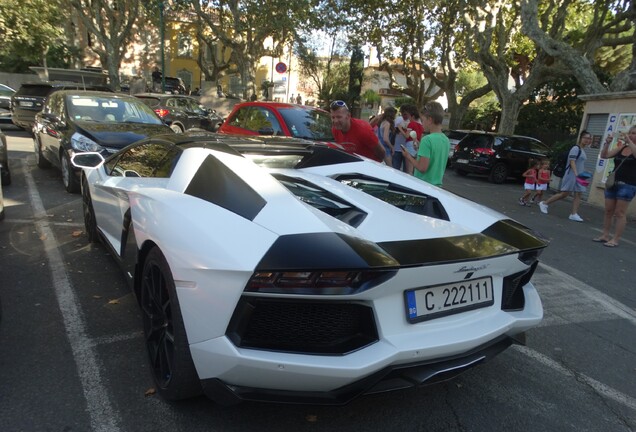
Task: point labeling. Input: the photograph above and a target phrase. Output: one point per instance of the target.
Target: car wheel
(71, 183)
(166, 340)
(461, 172)
(39, 159)
(6, 178)
(176, 128)
(90, 223)
(499, 173)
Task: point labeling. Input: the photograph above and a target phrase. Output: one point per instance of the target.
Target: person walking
(530, 184)
(346, 129)
(619, 195)
(397, 158)
(412, 130)
(385, 131)
(432, 154)
(543, 180)
(570, 183)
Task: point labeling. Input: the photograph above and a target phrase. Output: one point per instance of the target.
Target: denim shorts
(621, 191)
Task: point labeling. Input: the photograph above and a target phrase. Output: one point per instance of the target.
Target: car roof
(163, 95)
(94, 93)
(495, 134)
(276, 105)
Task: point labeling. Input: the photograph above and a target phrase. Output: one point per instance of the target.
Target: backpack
(561, 164)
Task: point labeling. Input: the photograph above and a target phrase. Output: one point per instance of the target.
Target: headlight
(81, 143)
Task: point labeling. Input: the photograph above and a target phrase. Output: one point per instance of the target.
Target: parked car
(182, 113)
(5, 172)
(5, 96)
(30, 97)
(278, 118)
(267, 272)
(498, 156)
(454, 137)
(75, 121)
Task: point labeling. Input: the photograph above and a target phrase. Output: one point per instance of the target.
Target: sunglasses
(339, 104)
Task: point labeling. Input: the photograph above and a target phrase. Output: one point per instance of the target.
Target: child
(543, 179)
(531, 181)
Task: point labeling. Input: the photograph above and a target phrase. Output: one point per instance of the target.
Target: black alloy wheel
(39, 158)
(69, 178)
(90, 223)
(499, 173)
(166, 341)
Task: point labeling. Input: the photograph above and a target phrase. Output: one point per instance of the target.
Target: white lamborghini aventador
(276, 270)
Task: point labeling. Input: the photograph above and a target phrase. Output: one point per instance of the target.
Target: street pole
(163, 56)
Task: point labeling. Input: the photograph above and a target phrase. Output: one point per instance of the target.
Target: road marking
(103, 417)
(569, 300)
(599, 387)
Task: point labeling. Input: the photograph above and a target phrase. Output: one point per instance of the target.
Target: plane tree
(110, 25)
(31, 35)
(247, 30)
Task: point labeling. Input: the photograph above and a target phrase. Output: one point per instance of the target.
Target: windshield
(5, 91)
(308, 123)
(110, 110)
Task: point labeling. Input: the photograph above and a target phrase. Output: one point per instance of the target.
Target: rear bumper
(395, 377)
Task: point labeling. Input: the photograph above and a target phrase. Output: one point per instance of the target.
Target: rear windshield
(477, 141)
(34, 90)
(150, 101)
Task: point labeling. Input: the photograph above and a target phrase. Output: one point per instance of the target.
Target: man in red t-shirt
(358, 132)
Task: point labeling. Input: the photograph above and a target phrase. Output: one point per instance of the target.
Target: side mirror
(87, 160)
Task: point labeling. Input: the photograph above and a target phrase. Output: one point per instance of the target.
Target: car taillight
(317, 282)
(162, 112)
(484, 151)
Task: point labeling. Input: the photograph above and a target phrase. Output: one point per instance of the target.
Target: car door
(197, 116)
(51, 127)
(145, 165)
(518, 154)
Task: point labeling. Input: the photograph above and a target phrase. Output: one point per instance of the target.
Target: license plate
(26, 103)
(436, 301)
(462, 161)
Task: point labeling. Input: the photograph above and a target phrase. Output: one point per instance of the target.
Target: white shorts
(542, 187)
(529, 186)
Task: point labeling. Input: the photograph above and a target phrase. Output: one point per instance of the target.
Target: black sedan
(75, 121)
(182, 113)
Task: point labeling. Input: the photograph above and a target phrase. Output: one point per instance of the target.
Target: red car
(280, 118)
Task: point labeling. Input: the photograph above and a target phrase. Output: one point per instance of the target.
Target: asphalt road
(72, 356)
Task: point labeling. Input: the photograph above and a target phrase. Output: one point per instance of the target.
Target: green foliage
(553, 113)
(482, 116)
(31, 29)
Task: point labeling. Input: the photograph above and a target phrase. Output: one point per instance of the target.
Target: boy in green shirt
(432, 155)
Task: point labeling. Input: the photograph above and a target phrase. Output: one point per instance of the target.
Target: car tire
(166, 341)
(39, 158)
(461, 172)
(498, 173)
(71, 182)
(90, 223)
(6, 178)
(176, 128)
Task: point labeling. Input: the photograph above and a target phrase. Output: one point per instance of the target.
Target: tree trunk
(510, 107)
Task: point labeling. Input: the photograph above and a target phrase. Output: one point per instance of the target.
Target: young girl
(531, 181)
(543, 179)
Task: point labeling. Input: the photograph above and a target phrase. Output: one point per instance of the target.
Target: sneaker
(575, 217)
(522, 202)
(543, 207)
(533, 200)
